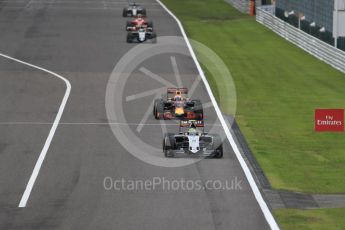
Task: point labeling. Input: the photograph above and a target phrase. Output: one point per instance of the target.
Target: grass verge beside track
(316, 219)
(278, 87)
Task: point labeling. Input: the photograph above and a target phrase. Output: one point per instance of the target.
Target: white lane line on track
(258, 196)
(90, 123)
(49, 139)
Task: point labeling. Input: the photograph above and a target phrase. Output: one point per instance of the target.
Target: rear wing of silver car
(188, 123)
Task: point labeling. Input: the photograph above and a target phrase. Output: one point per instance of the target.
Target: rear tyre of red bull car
(198, 110)
(158, 108)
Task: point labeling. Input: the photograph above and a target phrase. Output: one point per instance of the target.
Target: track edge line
(39, 162)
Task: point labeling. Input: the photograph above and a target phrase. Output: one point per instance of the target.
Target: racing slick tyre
(218, 145)
(124, 12)
(156, 101)
(129, 37)
(153, 37)
(198, 110)
(150, 24)
(168, 145)
(158, 108)
(143, 13)
(219, 153)
(128, 25)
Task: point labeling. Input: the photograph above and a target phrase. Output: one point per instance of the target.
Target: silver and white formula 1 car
(192, 142)
(134, 9)
(141, 35)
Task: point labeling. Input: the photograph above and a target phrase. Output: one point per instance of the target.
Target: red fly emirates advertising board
(329, 120)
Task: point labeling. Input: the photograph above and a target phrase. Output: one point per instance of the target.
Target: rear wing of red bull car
(174, 91)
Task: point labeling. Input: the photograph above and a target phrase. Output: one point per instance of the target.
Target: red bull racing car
(178, 106)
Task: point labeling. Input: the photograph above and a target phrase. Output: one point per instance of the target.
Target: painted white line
(176, 71)
(156, 77)
(27, 6)
(194, 86)
(146, 94)
(146, 116)
(49, 139)
(266, 211)
(164, 126)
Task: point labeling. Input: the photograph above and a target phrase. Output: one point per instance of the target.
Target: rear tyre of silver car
(219, 152)
(218, 145)
(129, 37)
(124, 12)
(167, 145)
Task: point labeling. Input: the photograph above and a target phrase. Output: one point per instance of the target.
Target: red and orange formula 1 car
(137, 23)
(178, 106)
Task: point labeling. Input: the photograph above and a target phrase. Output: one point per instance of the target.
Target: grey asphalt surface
(83, 41)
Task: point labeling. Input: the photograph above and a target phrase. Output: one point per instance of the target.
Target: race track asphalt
(83, 40)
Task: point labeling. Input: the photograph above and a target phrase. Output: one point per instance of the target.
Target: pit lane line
(36, 170)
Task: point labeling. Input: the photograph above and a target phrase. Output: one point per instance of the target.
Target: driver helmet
(192, 128)
(193, 125)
